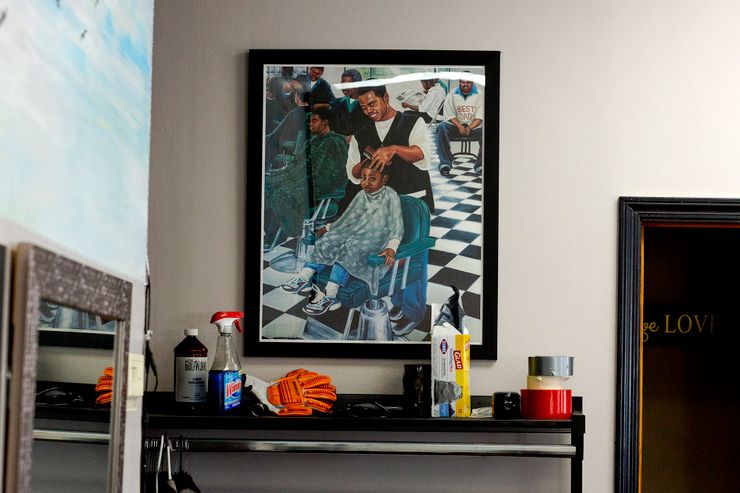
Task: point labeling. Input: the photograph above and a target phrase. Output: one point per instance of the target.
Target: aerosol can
(224, 380)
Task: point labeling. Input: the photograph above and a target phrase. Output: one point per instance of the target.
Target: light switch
(135, 375)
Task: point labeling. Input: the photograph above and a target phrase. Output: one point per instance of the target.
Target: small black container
(506, 405)
(417, 390)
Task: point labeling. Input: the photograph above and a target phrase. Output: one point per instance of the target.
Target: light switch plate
(135, 375)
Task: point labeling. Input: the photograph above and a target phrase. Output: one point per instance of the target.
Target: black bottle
(191, 373)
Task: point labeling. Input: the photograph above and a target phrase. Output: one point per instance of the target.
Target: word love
(682, 325)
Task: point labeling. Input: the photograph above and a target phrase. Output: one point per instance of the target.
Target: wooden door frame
(635, 213)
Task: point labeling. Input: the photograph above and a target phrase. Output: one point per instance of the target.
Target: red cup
(547, 404)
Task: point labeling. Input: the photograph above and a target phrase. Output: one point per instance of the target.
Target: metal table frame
(205, 431)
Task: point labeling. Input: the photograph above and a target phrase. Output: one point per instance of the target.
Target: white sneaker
(321, 304)
(297, 285)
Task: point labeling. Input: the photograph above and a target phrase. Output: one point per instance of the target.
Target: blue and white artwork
(75, 106)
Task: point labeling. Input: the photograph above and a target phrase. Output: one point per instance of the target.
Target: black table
(246, 433)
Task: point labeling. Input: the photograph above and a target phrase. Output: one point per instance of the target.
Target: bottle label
(191, 379)
(232, 389)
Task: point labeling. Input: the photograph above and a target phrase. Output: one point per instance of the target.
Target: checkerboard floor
(454, 260)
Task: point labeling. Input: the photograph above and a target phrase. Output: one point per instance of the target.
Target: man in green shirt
(316, 171)
(326, 149)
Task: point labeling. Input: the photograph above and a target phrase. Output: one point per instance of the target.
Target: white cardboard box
(450, 370)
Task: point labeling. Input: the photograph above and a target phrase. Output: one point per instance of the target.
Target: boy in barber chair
(371, 225)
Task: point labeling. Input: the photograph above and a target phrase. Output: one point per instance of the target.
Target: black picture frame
(462, 228)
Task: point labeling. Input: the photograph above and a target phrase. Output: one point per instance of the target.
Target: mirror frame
(635, 213)
(41, 274)
(4, 340)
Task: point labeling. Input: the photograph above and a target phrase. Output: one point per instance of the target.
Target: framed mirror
(64, 409)
(4, 281)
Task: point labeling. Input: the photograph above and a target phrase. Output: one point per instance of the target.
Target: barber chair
(290, 150)
(318, 216)
(437, 118)
(465, 147)
(374, 321)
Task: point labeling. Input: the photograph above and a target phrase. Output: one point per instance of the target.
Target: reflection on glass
(59, 396)
(71, 371)
(55, 316)
(69, 327)
(73, 389)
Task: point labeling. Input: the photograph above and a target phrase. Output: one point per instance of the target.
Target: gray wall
(598, 99)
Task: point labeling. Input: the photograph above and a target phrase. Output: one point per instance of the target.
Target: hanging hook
(182, 446)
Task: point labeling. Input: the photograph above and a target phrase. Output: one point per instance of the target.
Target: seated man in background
(430, 107)
(315, 172)
(327, 153)
(347, 116)
(274, 104)
(463, 114)
(284, 91)
(291, 130)
(321, 92)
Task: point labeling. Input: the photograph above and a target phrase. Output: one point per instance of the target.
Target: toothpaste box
(450, 370)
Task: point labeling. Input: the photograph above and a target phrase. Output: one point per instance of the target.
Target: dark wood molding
(628, 345)
(634, 214)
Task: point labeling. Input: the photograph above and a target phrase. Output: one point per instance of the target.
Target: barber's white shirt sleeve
(353, 157)
(419, 136)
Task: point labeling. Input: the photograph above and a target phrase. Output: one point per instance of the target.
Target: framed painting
(372, 189)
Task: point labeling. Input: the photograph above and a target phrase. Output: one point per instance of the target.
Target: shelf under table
(246, 433)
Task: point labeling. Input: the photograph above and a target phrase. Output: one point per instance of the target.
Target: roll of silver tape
(555, 366)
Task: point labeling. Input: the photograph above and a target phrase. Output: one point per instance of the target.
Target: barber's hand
(390, 256)
(321, 231)
(357, 170)
(405, 105)
(383, 157)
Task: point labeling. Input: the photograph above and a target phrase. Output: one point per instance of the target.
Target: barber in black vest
(396, 141)
(400, 145)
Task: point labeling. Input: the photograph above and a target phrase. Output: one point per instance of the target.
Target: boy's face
(371, 180)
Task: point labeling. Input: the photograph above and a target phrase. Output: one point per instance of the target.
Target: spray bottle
(224, 381)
